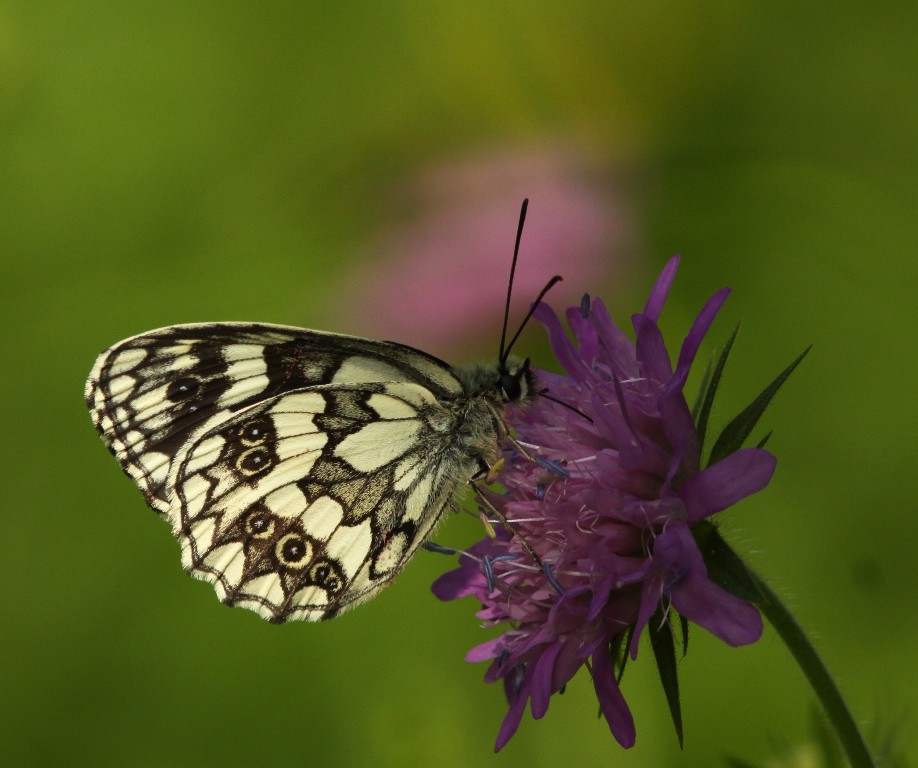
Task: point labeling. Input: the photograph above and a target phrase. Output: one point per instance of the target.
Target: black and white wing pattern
(299, 470)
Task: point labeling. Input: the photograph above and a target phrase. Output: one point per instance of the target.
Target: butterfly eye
(511, 387)
(515, 384)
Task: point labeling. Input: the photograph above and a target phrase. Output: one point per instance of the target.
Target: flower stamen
(552, 466)
(549, 577)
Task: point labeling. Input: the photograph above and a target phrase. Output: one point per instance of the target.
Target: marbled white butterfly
(300, 470)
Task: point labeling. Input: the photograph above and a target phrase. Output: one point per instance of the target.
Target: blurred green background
(166, 162)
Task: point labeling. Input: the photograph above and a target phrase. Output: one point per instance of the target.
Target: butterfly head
(510, 381)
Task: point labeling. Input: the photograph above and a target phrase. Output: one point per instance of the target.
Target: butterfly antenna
(532, 309)
(516, 252)
(505, 348)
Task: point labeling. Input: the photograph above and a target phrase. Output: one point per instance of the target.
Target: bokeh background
(359, 167)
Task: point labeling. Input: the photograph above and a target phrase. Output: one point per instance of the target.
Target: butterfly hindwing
(311, 502)
(150, 394)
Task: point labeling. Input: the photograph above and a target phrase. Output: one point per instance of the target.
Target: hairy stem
(733, 574)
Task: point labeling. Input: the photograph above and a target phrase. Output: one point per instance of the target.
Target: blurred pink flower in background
(438, 278)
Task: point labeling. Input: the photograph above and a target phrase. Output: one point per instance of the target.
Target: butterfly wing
(151, 394)
(310, 502)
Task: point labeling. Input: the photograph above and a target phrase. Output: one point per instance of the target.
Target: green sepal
(725, 568)
(735, 433)
(664, 651)
(702, 410)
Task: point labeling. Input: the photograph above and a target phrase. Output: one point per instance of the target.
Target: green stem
(734, 575)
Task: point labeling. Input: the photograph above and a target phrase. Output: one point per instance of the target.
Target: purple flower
(607, 499)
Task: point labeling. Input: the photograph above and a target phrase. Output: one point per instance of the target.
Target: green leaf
(736, 432)
(664, 651)
(702, 410)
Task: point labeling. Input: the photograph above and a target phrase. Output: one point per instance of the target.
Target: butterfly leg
(519, 446)
(508, 526)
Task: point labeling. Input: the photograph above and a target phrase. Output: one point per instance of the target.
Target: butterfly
(300, 470)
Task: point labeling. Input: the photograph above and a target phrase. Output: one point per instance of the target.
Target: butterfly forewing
(300, 470)
(148, 395)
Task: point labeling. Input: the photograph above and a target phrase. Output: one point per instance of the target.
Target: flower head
(607, 499)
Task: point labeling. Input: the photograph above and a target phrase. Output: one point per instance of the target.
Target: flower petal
(613, 704)
(587, 337)
(619, 349)
(487, 650)
(679, 428)
(514, 714)
(660, 290)
(651, 351)
(696, 335)
(459, 582)
(542, 680)
(733, 620)
(565, 352)
(651, 592)
(728, 481)
(696, 597)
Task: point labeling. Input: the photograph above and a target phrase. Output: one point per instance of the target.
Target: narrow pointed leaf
(710, 389)
(664, 651)
(736, 432)
(618, 650)
(684, 623)
(702, 391)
